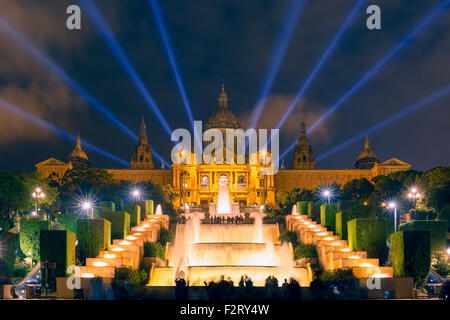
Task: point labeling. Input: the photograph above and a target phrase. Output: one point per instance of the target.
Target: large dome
(223, 117)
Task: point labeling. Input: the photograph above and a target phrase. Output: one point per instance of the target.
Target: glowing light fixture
(110, 255)
(118, 249)
(345, 250)
(100, 264)
(87, 275)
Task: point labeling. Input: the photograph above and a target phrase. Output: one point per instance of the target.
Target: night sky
(230, 41)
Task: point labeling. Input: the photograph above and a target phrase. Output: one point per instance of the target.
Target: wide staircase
(126, 252)
(334, 253)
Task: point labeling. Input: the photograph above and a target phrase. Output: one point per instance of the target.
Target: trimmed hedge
(314, 210)
(57, 246)
(152, 249)
(29, 236)
(147, 208)
(437, 229)
(368, 234)
(135, 214)
(94, 235)
(9, 242)
(107, 206)
(411, 254)
(328, 216)
(120, 223)
(302, 207)
(353, 210)
(342, 218)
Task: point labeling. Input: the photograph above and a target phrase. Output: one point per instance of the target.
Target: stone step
(114, 262)
(92, 272)
(349, 262)
(367, 272)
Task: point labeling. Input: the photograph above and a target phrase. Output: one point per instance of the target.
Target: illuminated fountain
(294, 210)
(223, 198)
(158, 210)
(205, 252)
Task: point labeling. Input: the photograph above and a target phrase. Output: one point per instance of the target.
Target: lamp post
(37, 195)
(264, 179)
(136, 195)
(393, 205)
(327, 195)
(414, 195)
(181, 179)
(87, 207)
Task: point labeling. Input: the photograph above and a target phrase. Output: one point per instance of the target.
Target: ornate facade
(198, 183)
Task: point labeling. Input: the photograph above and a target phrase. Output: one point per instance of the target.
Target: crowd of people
(224, 289)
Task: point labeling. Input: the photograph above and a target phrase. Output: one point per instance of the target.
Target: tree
(85, 178)
(14, 196)
(386, 186)
(407, 178)
(35, 180)
(356, 189)
(301, 195)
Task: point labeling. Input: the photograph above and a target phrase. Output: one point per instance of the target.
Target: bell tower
(142, 154)
(303, 153)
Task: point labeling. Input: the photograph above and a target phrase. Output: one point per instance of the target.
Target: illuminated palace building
(199, 183)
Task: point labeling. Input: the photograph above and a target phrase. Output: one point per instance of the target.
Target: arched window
(242, 183)
(204, 183)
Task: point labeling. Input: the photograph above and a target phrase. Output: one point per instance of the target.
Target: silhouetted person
(180, 289)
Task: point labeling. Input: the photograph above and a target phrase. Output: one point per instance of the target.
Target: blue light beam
(104, 29)
(291, 16)
(42, 123)
(434, 13)
(322, 60)
(60, 73)
(173, 63)
(433, 97)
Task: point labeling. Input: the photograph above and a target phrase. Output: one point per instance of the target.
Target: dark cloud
(230, 40)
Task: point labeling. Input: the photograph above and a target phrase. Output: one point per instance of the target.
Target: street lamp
(87, 207)
(414, 195)
(136, 194)
(393, 205)
(264, 153)
(182, 152)
(37, 195)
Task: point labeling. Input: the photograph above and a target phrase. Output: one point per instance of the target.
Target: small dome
(367, 152)
(78, 157)
(223, 118)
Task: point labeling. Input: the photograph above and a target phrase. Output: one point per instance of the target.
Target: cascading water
(259, 229)
(294, 210)
(223, 198)
(158, 210)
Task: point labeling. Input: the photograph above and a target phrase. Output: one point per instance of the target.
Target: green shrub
(314, 210)
(137, 277)
(368, 234)
(135, 214)
(21, 270)
(437, 229)
(411, 255)
(328, 216)
(107, 206)
(337, 275)
(8, 246)
(146, 208)
(302, 207)
(444, 214)
(94, 235)
(57, 246)
(120, 223)
(288, 236)
(166, 236)
(68, 221)
(152, 249)
(29, 236)
(305, 251)
(441, 264)
(5, 225)
(356, 210)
